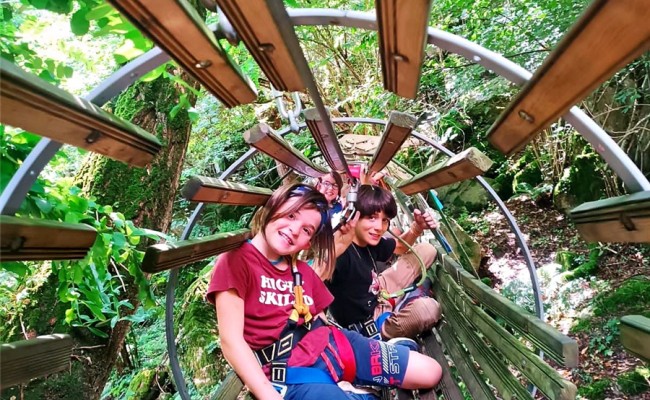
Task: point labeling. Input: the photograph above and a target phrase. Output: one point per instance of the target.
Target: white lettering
(268, 283)
(276, 284)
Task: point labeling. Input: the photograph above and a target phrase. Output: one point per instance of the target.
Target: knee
(422, 372)
(416, 317)
(428, 309)
(427, 253)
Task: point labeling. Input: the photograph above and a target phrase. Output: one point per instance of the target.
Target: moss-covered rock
(632, 383)
(596, 390)
(580, 182)
(141, 384)
(469, 195)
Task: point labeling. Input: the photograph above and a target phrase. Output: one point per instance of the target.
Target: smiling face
(371, 228)
(291, 233)
(328, 187)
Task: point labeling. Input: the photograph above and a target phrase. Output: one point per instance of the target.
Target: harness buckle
(370, 328)
(279, 371)
(284, 345)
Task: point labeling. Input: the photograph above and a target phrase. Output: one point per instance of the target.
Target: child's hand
(425, 220)
(349, 226)
(373, 179)
(343, 237)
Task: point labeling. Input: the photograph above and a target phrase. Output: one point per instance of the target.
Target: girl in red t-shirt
(253, 290)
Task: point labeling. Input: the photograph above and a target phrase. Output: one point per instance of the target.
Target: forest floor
(587, 308)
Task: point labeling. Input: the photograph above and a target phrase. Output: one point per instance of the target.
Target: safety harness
(277, 354)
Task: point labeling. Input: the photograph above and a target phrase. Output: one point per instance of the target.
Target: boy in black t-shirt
(357, 282)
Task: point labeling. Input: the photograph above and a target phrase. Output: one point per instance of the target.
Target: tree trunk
(145, 196)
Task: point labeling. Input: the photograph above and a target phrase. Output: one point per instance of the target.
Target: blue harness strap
(298, 375)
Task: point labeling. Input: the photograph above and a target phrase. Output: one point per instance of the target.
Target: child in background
(357, 281)
(330, 185)
(273, 331)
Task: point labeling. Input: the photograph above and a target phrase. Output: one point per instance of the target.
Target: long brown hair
(322, 243)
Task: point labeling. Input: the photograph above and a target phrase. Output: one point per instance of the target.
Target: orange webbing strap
(346, 353)
(300, 309)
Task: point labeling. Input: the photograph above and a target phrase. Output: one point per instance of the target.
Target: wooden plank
(264, 139)
(397, 130)
(617, 219)
(609, 35)
(212, 190)
(256, 27)
(402, 32)
(540, 374)
(32, 104)
(556, 346)
(24, 239)
(490, 362)
(464, 364)
(28, 359)
(229, 388)
(448, 384)
(328, 144)
(177, 28)
(161, 257)
(635, 335)
(464, 165)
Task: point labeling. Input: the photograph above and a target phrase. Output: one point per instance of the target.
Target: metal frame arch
(19, 185)
(24, 178)
(615, 157)
(173, 275)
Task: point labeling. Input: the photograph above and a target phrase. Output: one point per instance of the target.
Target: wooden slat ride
(264, 139)
(25, 360)
(618, 219)
(328, 144)
(32, 104)
(26, 239)
(176, 27)
(253, 20)
(211, 190)
(472, 346)
(402, 38)
(397, 130)
(635, 335)
(465, 165)
(474, 327)
(609, 35)
(163, 257)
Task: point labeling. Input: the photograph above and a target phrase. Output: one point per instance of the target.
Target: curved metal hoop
(173, 275)
(615, 157)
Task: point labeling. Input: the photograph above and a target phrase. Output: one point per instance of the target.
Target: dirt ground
(548, 232)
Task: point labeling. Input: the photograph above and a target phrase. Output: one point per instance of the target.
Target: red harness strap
(346, 354)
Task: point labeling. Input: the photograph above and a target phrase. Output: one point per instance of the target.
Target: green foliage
(582, 181)
(199, 346)
(93, 287)
(15, 48)
(583, 267)
(632, 383)
(632, 297)
(595, 390)
(602, 339)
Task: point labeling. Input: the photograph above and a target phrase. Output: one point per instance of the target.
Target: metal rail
(26, 175)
